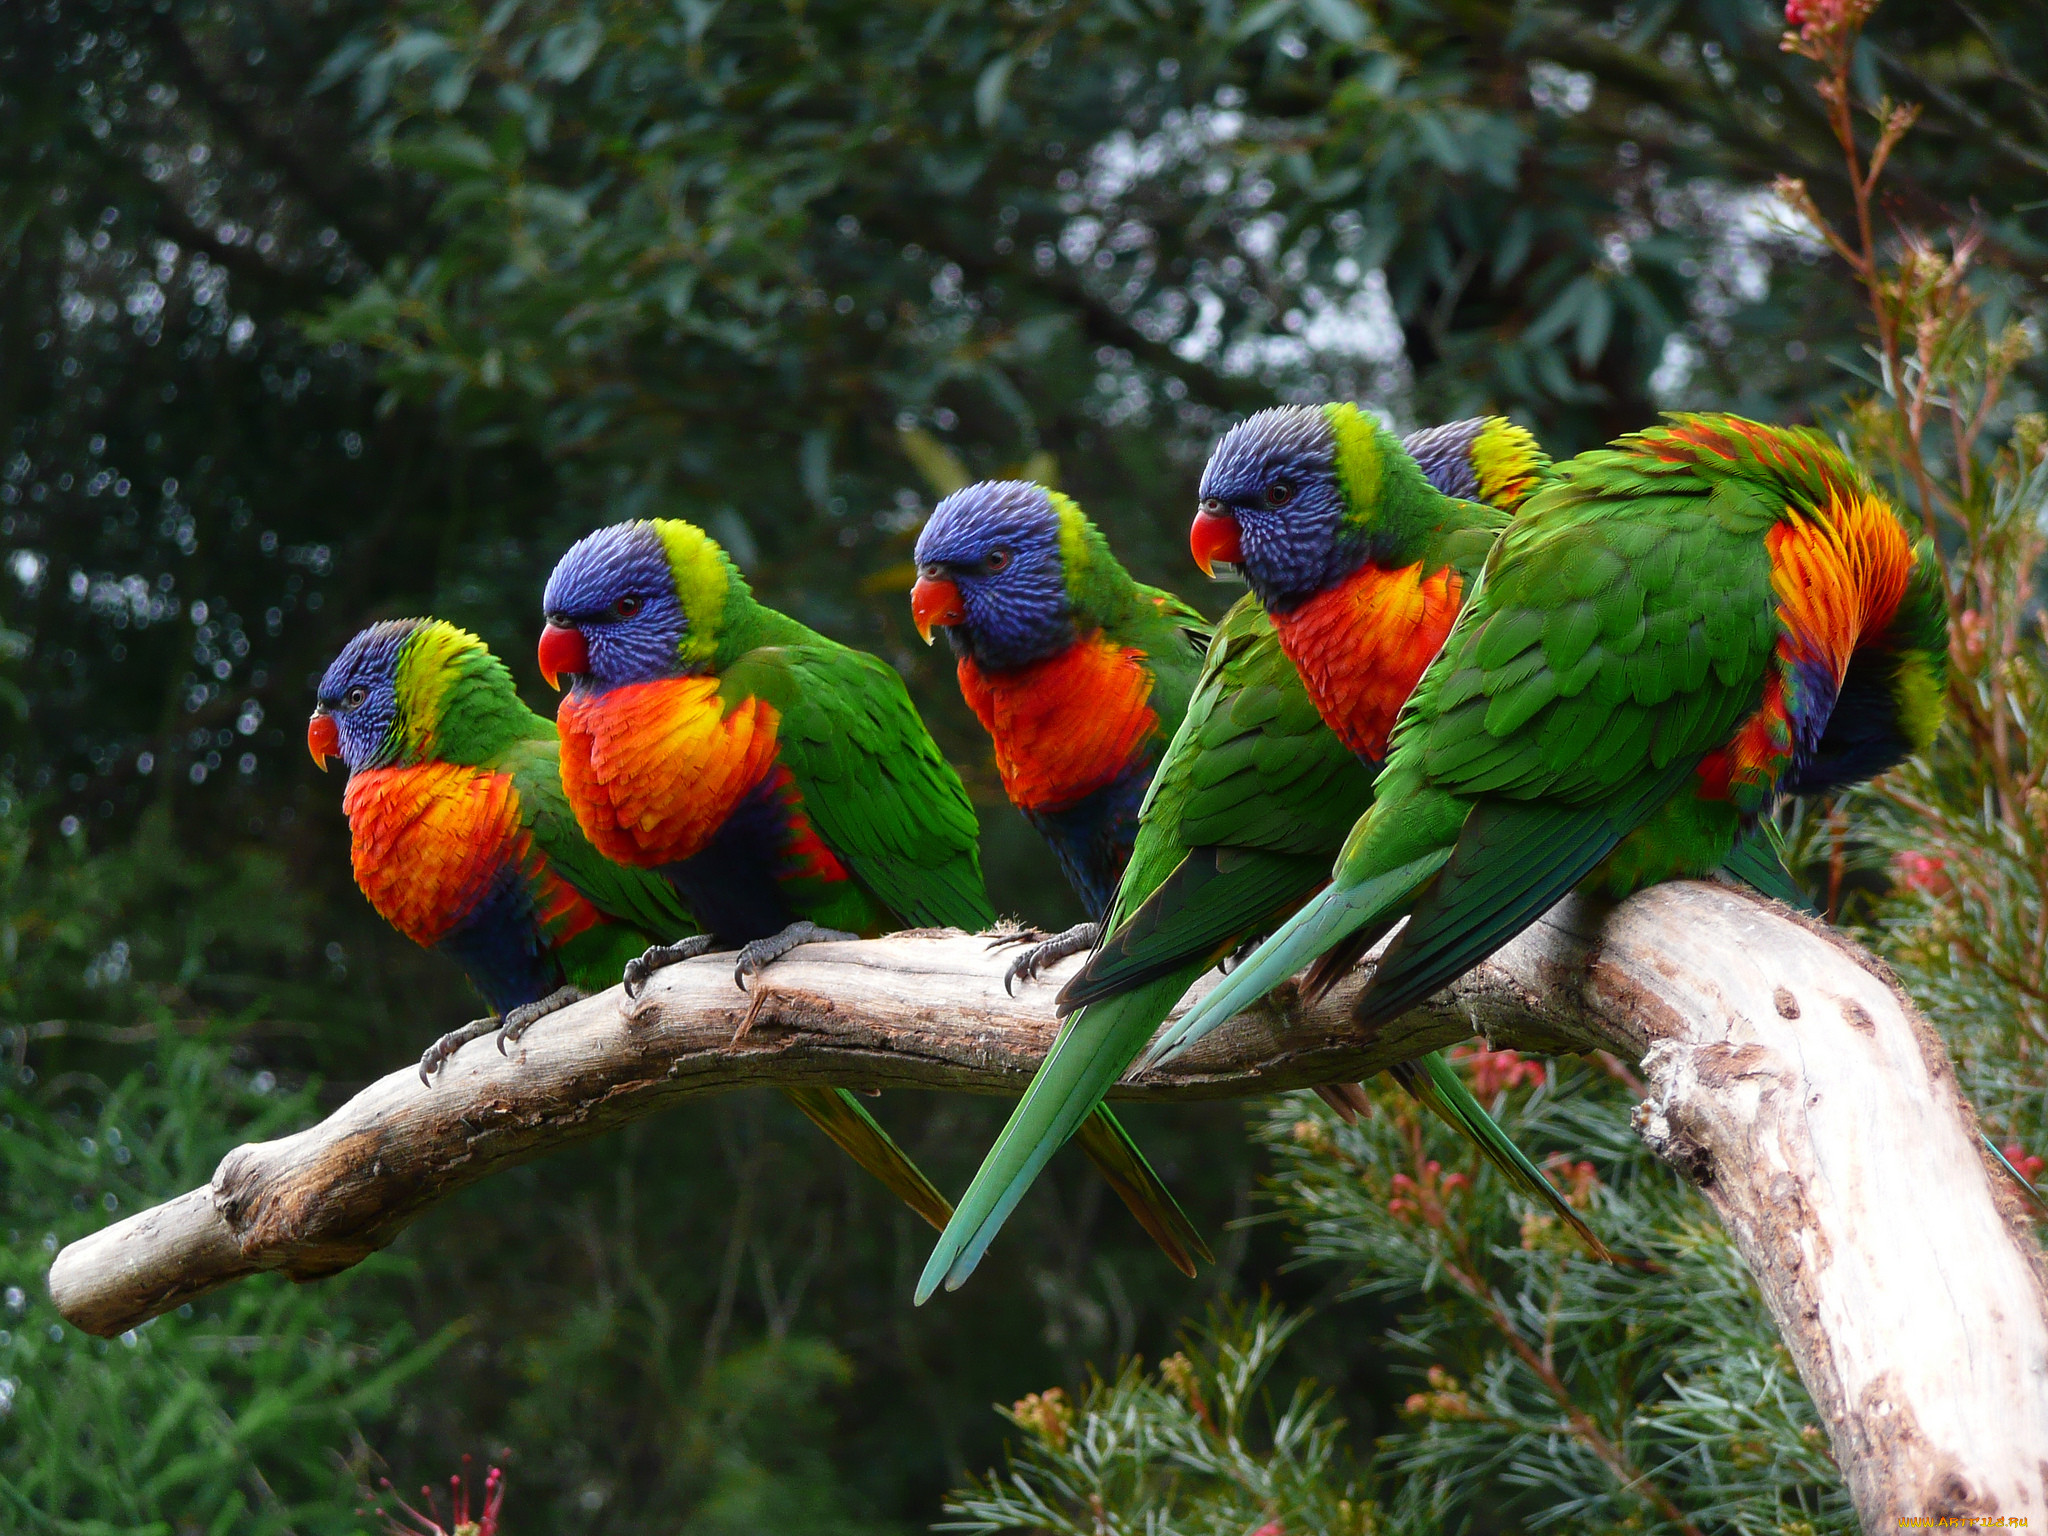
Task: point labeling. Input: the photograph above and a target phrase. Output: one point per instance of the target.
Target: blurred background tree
(319, 311)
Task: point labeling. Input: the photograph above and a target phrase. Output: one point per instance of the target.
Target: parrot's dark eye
(997, 559)
(626, 606)
(1279, 493)
(353, 699)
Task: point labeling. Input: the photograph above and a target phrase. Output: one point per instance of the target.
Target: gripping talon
(1028, 966)
(644, 965)
(435, 1056)
(520, 1019)
(757, 956)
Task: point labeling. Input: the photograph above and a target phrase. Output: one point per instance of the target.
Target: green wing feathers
(1512, 862)
(1239, 825)
(1202, 911)
(645, 908)
(637, 897)
(883, 799)
(1758, 861)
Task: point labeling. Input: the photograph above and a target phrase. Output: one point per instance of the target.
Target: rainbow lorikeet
(463, 842)
(1273, 761)
(1079, 674)
(1681, 628)
(780, 783)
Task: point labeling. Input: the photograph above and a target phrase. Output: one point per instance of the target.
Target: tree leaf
(1340, 20)
(990, 88)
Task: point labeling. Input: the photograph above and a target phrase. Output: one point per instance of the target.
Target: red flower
(2024, 1163)
(1922, 872)
(461, 1522)
(1493, 1072)
(1423, 1199)
(1812, 17)
(1578, 1180)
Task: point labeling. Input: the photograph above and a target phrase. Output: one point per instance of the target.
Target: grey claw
(761, 953)
(522, 1018)
(435, 1056)
(1029, 965)
(643, 965)
(1019, 967)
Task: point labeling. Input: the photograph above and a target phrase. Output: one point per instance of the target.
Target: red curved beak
(562, 654)
(1214, 538)
(935, 601)
(323, 738)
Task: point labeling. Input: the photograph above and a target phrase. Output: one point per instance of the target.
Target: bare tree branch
(1788, 1075)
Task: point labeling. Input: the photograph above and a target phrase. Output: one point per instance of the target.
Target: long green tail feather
(1091, 1053)
(842, 1116)
(1211, 900)
(1117, 1158)
(1437, 1087)
(1340, 910)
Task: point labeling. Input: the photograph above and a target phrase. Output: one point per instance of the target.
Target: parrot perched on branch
(463, 842)
(780, 783)
(1079, 674)
(1681, 628)
(1272, 762)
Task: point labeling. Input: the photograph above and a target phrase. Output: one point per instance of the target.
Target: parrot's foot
(1027, 966)
(760, 954)
(432, 1058)
(521, 1019)
(659, 955)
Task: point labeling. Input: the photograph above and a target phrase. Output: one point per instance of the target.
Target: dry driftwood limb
(1789, 1077)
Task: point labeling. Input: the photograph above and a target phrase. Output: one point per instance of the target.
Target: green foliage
(243, 1412)
(314, 315)
(1580, 1395)
(1197, 1446)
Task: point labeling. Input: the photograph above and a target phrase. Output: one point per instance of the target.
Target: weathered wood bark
(1790, 1078)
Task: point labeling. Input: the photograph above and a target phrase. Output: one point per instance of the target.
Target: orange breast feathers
(654, 769)
(1066, 726)
(429, 842)
(1361, 647)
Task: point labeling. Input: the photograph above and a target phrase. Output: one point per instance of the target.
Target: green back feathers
(456, 701)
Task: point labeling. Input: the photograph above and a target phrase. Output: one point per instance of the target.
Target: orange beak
(935, 601)
(323, 738)
(562, 654)
(1214, 538)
